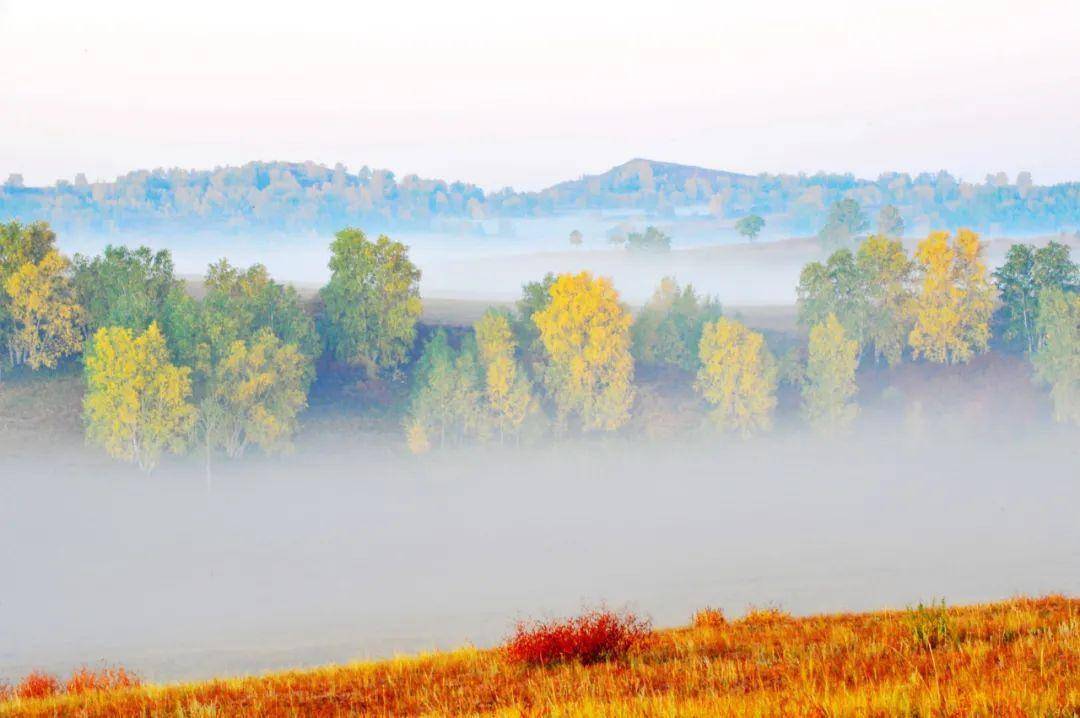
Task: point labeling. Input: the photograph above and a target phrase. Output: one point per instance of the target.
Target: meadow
(1013, 658)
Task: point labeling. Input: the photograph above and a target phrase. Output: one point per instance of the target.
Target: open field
(948, 488)
(1015, 658)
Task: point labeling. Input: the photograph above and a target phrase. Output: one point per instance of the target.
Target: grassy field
(1013, 658)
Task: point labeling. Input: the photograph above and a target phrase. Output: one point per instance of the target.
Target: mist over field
(715, 260)
(573, 358)
(350, 548)
(955, 485)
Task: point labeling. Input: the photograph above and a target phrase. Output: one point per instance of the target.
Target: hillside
(1014, 658)
(309, 197)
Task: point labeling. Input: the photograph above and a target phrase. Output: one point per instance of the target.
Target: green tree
(1026, 272)
(447, 396)
(24, 244)
(137, 402)
(182, 324)
(837, 288)
(846, 220)
(750, 226)
(240, 303)
(652, 240)
(667, 331)
(535, 297)
(47, 320)
(890, 223)
(829, 383)
(1057, 358)
(124, 287)
(585, 331)
(372, 302)
(738, 377)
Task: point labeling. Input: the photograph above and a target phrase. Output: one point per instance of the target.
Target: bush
(768, 616)
(595, 636)
(930, 625)
(709, 618)
(37, 685)
(85, 680)
(6, 692)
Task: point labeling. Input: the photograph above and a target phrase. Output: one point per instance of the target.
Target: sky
(530, 93)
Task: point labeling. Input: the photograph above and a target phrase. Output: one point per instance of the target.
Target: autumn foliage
(85, 680)
(738, 377)
(1014, 658)
(593, 636)
(585, 331)
(37, 685)
(955, 301)
(136, 402)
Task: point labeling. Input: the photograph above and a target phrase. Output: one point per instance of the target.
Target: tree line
(304, 196)
(228, 366)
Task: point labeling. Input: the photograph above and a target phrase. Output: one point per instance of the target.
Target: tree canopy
(651, 240)
(137, 402)
(955, 301)
(372, 302)
(1057, 359)
(829, 384)
(738, 377)
(889, 222)
(667, 331)
(20, 245)
(750, 226)
(585, 332)
(47, 320)
(124, 287)
(260, 385)
(845, 221)
(1025, 274)
(507, 387)
(448, 394)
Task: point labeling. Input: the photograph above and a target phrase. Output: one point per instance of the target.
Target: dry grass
(1015, 658)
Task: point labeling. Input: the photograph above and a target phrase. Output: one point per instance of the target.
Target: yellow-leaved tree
(830, 378)
(738, 377)
(955, 300)
(585, 332)
(47, 317)
(137, 402)
(506, 386)
(260, 386)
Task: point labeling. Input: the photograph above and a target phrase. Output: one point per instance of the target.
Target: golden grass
(1014, 658)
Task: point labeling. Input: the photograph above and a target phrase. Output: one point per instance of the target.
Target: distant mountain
(637, 179)
(309, 197)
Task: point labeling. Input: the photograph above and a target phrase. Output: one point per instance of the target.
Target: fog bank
(350, 548)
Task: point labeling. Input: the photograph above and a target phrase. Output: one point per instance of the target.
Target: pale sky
(526, 94)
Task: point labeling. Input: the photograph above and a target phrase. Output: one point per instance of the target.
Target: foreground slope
(1015, 658)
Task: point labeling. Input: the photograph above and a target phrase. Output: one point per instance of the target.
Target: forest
(305, 197)
(224, 366)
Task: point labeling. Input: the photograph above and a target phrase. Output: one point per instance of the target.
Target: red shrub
(81, 681)
(38, 685)
(84, 680)
(595, 636)
(6, 692)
